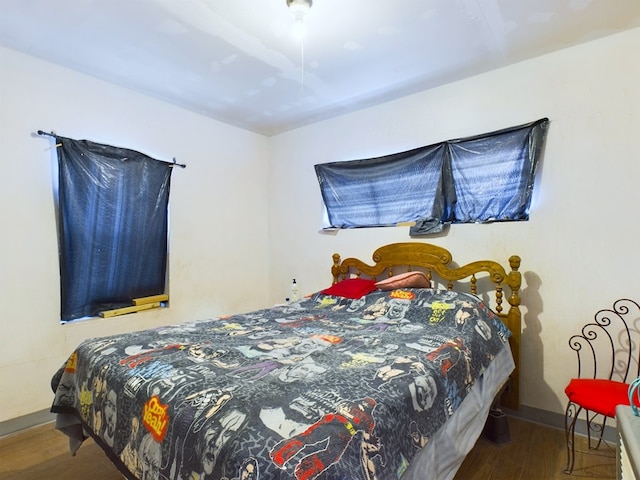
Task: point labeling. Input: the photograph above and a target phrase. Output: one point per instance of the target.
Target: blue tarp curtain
(113, 208)
(484, 178)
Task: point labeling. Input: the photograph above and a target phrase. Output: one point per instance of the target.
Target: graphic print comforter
(326, 388)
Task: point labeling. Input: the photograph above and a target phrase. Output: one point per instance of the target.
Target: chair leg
(596, 427)
(595, 432)
(570, 418)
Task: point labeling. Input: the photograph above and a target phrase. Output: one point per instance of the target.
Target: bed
(378, 376)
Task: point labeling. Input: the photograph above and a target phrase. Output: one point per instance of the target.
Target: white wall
(579, 249)
(218, 215)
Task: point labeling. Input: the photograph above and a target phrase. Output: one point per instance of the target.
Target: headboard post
(335, 268)
(511, 397)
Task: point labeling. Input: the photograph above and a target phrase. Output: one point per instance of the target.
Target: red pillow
(597, 395)
(351, 288)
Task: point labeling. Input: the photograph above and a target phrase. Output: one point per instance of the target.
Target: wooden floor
(534, 453)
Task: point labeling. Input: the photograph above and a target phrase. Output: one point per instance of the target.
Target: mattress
(394, 384)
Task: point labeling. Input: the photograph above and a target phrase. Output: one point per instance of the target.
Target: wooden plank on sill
(405, 224)
(152, 299)
(132, 309)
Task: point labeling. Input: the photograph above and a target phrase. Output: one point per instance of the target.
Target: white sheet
(441, 458)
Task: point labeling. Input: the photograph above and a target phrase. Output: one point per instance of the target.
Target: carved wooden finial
(335, 268)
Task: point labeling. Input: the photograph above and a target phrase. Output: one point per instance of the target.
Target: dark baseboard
(26, 421)
(556, 420)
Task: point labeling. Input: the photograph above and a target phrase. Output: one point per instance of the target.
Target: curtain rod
(171, 164)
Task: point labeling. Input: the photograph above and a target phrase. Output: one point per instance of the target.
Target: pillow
(351, 288)
(405, 280)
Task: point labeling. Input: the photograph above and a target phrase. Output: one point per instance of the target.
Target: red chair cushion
(597, 395)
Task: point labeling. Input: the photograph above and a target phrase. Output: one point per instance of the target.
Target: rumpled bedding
(327, 388)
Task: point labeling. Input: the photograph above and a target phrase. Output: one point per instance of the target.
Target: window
(485, 178)
(113, 226)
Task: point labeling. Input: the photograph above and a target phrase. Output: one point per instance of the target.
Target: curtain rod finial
(176, 164)
(42, 132)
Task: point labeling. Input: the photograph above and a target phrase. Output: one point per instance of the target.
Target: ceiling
(237, 61)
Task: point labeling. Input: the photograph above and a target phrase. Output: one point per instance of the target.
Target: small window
(113, 227)
(485, 178)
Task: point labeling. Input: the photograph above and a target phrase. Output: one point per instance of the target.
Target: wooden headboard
(436, 263)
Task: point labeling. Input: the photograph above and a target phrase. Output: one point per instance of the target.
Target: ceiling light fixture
(299, 9)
